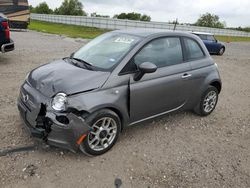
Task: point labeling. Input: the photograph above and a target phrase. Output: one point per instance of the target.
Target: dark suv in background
(6, 44)
(212, 44)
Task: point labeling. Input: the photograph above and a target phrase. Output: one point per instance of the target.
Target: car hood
(61, 76)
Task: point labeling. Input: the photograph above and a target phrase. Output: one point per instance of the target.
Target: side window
(203, 37)
(194, 50)
(162, 52)
(210, 38)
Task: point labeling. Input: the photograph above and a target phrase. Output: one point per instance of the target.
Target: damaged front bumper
(64, 130)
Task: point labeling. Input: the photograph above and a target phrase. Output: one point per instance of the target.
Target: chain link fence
(112, 24)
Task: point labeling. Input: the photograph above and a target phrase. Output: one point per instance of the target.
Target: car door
(166, 89)
(211, 44)
(199, 63)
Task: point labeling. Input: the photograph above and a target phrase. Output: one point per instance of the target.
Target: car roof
(149, 32)
(202, 33)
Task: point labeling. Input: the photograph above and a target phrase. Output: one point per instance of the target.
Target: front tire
(208, 102)
(106, 127)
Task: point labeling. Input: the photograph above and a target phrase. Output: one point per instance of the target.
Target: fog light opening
(62, 119)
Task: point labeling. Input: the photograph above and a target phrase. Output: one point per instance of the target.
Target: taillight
(6, 29)
(5, 24)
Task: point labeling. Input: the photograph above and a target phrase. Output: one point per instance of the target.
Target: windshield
(107, 50)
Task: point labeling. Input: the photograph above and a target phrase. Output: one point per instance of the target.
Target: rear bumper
(48, 128)
(8, 47)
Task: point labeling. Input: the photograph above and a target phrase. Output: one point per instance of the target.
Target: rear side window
(194, 50)
(210, 38)
(203, 37)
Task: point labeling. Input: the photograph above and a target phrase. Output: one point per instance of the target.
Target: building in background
(17, 11)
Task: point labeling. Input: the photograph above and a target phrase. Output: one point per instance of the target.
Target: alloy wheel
(103, 134)
(210, 101)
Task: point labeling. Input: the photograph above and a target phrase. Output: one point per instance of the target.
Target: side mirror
(145, 68)
(216, 40)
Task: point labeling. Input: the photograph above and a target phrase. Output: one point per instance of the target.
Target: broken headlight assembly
(59, 102)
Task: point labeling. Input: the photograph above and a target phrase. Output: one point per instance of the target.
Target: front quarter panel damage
(66, 136)
(113, 98)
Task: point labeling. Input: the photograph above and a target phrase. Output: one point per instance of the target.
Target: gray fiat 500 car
(121, 78)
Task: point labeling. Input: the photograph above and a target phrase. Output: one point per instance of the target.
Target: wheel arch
(217, 84)
(116, 110)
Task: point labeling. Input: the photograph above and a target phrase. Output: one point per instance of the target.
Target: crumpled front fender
(67, 136)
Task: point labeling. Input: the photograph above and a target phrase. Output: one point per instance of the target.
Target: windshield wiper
(82, 61)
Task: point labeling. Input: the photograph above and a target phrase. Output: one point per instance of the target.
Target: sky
(234, 12)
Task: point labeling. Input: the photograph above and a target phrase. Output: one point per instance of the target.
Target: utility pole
(176, 21)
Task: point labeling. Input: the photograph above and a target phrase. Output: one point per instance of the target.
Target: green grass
(67, 30)
(233, 39)
(92, 32)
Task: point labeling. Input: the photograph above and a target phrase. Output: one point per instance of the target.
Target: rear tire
(106, 127)
(208, 102)
(221, 51)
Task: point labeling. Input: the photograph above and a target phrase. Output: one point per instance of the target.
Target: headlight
(59, 102)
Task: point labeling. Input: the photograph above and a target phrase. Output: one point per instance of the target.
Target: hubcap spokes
(103, 133)
(210, 101)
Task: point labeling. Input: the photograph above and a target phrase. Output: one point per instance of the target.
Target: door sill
(154, 116)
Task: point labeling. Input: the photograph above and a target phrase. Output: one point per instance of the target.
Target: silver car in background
(120, 78)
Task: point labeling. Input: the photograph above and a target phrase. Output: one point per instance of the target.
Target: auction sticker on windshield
(124, 40)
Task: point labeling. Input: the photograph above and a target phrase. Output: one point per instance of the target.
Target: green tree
(146, 18)
(121, 16)
(42, 8)
(210, 20)
(133, 16)
(56, 11)
(71, 7)
(246, 29)
(31, 8)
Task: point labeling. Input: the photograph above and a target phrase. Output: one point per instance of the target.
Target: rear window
(194, 50)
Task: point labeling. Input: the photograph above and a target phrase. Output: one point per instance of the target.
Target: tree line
(75, 7)
(68, 7)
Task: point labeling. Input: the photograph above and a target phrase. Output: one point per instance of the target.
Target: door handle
(186, 75)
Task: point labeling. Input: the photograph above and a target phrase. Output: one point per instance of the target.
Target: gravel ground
(178, 150)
